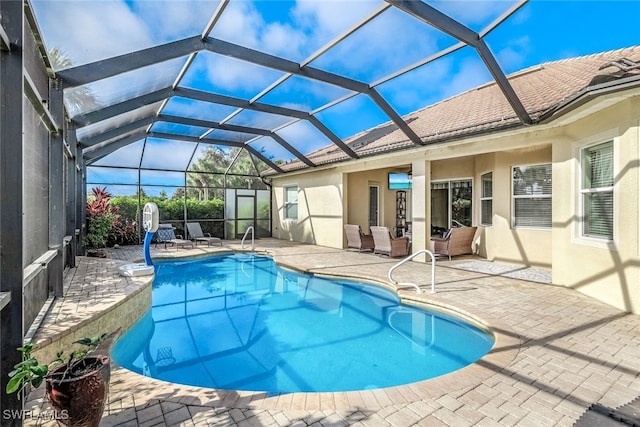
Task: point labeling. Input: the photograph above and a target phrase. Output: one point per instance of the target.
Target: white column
(420, 206)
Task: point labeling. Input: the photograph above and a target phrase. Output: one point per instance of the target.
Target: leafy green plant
(27, 372)
(32, 372)
(100, 218)
(98, 231)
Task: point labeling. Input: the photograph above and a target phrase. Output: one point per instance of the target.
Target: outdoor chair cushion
(195, 233)
(387, 245)
(456, 242)
(356, 239)
(165, 234)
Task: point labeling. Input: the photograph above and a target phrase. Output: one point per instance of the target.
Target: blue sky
(539, 31)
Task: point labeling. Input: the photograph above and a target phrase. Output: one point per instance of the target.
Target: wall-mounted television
(399, 181)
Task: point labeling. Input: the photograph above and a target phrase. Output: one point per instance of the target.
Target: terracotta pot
(80, 401)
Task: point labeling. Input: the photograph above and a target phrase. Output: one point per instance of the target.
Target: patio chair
(165, 234)
(195, 232)
(386, 244)
(356, 239)
(456, 242)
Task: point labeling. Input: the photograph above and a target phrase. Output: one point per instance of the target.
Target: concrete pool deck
(557, 351)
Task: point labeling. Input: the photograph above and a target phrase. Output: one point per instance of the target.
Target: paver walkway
(562, 352)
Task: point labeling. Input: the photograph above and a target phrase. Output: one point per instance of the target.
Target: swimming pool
(241, 322)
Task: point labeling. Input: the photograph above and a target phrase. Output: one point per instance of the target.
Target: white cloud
(417, 88)
(295, 106)
(434, 82)
(92, 30)
(305, 94)
(471, 72)
(175, 19)
(133, 83)
(271, 149)
(89, 31)
(162, 153)
(304, 136)
(513, 56)
(127, 156)
(232, 75)
(259, 119)
(283, 40)
(240, 23)
(388, 43)
(331, 17)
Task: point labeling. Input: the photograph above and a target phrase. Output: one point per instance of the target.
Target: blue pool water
(240, 322)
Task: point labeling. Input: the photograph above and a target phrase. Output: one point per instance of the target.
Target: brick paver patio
(558, 352)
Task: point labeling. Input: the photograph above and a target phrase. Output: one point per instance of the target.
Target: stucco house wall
(528, 246)
(320, 208)
(610, 272)
(358, 203)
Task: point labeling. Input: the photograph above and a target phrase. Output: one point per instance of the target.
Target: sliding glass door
(451, 205)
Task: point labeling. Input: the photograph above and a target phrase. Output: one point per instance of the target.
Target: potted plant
(76, 386)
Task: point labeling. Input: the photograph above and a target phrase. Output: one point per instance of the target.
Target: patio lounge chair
(165, 234)
(456, 242)
(385, 244)
(195, 232)
(356, 239)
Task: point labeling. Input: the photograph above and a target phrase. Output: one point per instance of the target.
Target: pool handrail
(410, 257)
(253, 245)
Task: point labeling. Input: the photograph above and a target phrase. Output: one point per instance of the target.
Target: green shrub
(124, 230)
(98, 231)
(100, 218)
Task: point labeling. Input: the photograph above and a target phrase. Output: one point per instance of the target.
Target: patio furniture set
(456, 241)
(166, 235)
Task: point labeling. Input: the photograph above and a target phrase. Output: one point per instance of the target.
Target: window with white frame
(291, 202)
(532, 196)
(597, 191)
(486, 199)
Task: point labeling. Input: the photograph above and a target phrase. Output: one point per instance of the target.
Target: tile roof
(541, 89)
